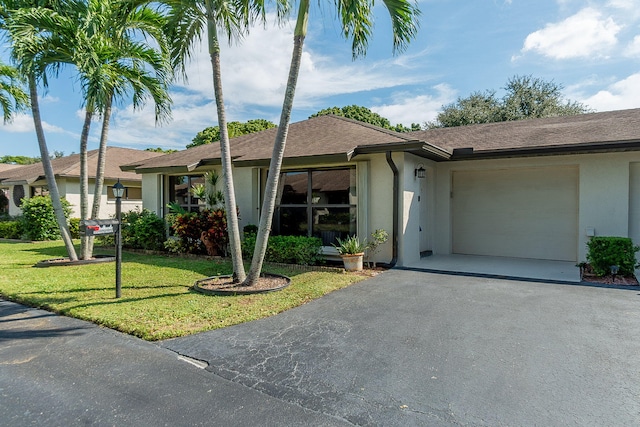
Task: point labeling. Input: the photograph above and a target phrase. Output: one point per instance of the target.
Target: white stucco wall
(603, 193)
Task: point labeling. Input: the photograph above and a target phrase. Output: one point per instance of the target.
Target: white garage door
(523, 213)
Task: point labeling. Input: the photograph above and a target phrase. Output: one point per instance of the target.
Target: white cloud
(617, 96)
(633, 50)
(254, 75)
(586, 34)
(23, 123)
(407, 109)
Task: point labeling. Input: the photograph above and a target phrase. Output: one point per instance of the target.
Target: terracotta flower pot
(352, 262)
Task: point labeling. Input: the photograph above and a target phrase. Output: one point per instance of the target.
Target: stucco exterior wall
(603, 193)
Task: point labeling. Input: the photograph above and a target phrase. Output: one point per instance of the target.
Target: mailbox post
(103, 227)
(118, 192)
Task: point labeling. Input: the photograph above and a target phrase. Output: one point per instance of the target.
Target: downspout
(396, 187)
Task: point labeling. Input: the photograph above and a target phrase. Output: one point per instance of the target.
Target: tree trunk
(233, 228)
(271, 190)
(102, 159)
(84, 181)
(48, 171)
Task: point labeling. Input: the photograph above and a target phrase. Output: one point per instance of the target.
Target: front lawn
(156, 300)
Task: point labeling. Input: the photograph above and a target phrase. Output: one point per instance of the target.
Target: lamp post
(118, 192)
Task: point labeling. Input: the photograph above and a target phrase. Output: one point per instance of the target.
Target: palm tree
(115, 58)
(35, 51)
(188, 20)
(12, 97)
(356, 18)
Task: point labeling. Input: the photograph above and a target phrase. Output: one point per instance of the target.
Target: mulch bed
(224, 285)
(587, 275)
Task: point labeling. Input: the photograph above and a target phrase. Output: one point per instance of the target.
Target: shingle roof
(5, 168)
(584, 129)
(318, 136)
(69, 166)
(337, 136)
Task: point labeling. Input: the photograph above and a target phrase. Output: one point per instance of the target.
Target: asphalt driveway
(413, 348)
(402, 349)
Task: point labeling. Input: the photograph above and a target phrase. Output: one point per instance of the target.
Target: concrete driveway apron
(413, 348)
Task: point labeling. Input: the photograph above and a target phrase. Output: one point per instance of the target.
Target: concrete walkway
(500, 267)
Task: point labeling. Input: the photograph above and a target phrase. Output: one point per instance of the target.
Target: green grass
(157, 302)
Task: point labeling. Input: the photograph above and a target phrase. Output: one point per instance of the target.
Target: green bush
(143, 230)
(300, 250)
(74, 228)
(39, 220)
(607, 251)
(10, 229)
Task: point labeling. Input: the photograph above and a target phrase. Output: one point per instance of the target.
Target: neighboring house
(5, 190)
(530, 189)
(29, 180)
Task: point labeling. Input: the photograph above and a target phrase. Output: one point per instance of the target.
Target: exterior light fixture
(420, 172)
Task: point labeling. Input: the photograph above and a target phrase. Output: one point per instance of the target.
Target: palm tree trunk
(271, 190)
(102, 159)
(84, 181)
(48, 171)
(233, 228)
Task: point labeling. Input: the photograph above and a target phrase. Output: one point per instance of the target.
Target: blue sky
(592, 48)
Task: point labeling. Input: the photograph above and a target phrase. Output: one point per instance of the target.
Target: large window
(320, 203)
(180, 191)
(130, 193)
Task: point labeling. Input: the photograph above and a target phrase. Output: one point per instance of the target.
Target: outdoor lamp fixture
(420, 172)
(118, 192)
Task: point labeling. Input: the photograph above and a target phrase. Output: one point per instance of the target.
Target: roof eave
(417, 147)
(595, 147)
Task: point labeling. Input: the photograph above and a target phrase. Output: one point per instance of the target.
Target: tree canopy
(365, 115)
(19, 160)
(526, 97)
(212, 133)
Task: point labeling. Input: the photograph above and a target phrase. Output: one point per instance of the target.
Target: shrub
(143, 230)
(607, 251)
(10, 229)
(300, 250)
(74, 228)
(39, 220)
(190, 227)
(250, 229)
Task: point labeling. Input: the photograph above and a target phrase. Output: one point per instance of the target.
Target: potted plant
(351, 251)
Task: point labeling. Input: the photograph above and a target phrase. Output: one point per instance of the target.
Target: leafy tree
(356, 19)
(212, 133)
(12, 97)
(363, 114)
(526, 97)
(160, 150)
(19, 160)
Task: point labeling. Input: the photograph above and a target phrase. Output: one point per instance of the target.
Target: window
(130, 193)
(180, 191)
(319, 203)
(39, 191)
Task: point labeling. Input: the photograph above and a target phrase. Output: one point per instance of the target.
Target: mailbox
(98, 227)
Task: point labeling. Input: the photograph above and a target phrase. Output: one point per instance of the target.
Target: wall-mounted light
(420, 172)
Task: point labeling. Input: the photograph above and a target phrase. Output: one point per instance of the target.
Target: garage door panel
(527, 213)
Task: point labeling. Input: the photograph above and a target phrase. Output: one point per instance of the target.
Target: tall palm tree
(232, 18)
(35, 51)
(120, 50)
(356, 19)
(12, 97)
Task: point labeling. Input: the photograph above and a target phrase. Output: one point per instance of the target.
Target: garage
(519, 212)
